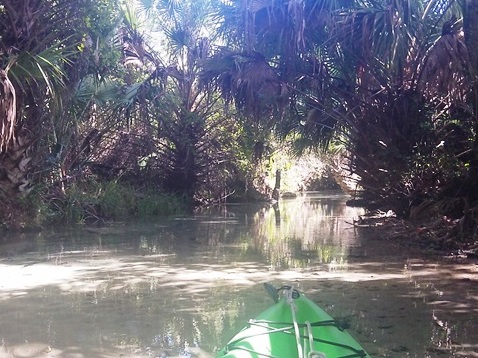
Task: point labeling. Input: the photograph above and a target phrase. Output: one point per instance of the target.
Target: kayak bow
(293, 327)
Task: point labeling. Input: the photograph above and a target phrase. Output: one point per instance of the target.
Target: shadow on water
(183, 286)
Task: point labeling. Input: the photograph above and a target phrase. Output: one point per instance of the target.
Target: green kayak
(293, 327)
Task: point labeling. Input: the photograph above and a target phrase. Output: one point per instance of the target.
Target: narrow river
(181, 287)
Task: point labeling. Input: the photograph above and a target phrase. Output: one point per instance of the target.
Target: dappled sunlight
(187, 289)
(84, 275)
(17, 280)
(110, 281)
(39, 349)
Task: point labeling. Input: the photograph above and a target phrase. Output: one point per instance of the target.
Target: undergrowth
(93, 201)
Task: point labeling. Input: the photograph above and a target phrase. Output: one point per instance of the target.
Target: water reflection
(184, 286)
(307, 230)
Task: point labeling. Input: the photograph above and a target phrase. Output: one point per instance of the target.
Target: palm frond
(130, 15)
(45, 66)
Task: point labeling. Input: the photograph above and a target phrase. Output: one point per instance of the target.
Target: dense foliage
(392, 84)
(190, 98)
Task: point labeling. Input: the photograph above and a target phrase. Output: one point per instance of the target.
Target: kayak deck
(293, 327)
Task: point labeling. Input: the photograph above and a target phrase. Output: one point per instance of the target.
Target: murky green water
(183, 286)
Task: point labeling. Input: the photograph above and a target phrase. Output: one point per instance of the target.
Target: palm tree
(35, 48)
(381, 77)
(46, 49)
(154, 125)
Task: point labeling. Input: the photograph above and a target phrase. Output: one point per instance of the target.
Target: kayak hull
(293, 328)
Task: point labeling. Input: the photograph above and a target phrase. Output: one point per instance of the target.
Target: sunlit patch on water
(183, 287)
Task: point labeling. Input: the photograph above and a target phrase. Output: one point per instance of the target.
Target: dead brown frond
(8, 110)
(248, 80)
(445, 69)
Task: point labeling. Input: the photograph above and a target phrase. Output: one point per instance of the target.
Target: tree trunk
(470, 29)
(14, 168)
(276, 191)
(8, 110)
